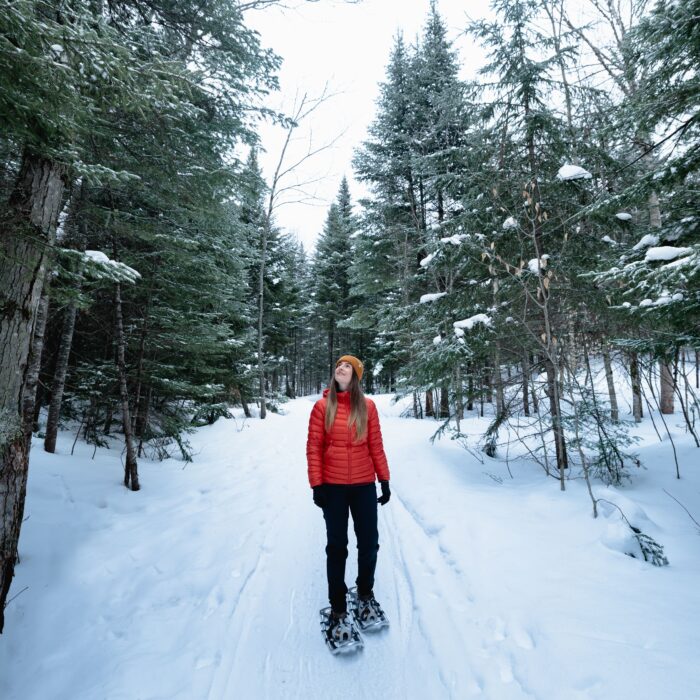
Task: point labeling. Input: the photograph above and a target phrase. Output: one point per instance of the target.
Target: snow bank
(206, 584)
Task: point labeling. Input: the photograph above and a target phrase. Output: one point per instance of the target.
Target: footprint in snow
(205, 661)
(215, 600)
(499, 629)
(523, 638)
(505, 669)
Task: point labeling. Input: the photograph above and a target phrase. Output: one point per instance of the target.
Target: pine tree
(331, 269)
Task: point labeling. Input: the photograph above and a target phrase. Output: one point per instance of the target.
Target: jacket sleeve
(375, 443)
(314, 444)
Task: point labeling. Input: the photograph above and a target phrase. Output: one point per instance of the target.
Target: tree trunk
(31, 383)
(139, 371)
(261, 299)
(331, 343)
(459, 398)
(497, 378)
(667, 388)
(550, 360)
(142, 419)
(59, 378)
(109, 415)
(470, 387)
(614, 413)
(526, 373)
(557, 427)
(131, 475)
(429, 408)
(444, 402)
(636, 381)
(27, 230)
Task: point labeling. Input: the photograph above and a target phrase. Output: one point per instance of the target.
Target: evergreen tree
(331, 267)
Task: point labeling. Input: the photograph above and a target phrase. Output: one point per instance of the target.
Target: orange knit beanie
(356, 364)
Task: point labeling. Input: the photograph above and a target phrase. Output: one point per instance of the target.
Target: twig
(14, 596)
(683, 507)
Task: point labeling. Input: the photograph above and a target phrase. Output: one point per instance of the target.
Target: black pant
(361, 501)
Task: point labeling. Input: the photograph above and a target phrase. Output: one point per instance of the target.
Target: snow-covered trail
(207, 583)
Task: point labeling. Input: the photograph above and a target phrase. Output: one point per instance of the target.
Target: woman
(344, 452)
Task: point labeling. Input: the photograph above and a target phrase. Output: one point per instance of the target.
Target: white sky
(346, 46)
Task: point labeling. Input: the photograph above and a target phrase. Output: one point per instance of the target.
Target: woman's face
(343, 375)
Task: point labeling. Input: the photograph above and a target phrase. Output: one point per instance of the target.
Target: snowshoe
(340, 633)
(367, 612)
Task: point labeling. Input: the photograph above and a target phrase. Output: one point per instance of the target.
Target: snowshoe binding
(367, 612)
(340, 632)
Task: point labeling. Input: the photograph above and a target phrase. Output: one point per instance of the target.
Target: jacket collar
(343, 396)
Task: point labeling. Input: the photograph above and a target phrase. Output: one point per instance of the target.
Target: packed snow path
(207, 583)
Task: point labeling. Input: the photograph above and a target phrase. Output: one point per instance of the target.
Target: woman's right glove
(386, 493)
(320, 496)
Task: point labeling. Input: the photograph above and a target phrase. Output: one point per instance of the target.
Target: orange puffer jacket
(333, 457)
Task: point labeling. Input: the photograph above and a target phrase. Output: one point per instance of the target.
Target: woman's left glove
(386, 493)
(320, 496)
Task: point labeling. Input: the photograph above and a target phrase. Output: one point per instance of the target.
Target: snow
(648, 240)
(470, 322)
(124, 271)
(535, 266)
(665, 298)
(206, 584)
(455, 239)
(623, 216)
(425, 298)
(573, 172)
(437, 340)
(427, 259)
(98, 256)
(605, 239)
(510, 222)
(666, 252)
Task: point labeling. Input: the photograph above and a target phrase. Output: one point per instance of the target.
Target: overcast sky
(347, 46)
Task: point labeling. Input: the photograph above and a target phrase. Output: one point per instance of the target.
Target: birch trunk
(59, 378)
(614, 412)
(31, 383)
(667, 388)
(261, 306)
(131, 475)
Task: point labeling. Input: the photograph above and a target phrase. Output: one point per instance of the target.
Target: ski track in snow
(235, 613)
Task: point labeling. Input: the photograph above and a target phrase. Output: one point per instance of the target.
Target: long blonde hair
(358, 406)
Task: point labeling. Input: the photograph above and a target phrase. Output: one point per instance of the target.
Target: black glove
(320, 496)
(386, 493)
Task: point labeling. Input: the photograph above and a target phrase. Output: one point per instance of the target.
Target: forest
(518, 232)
